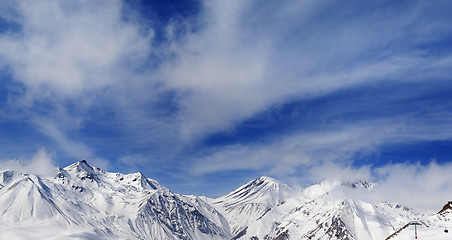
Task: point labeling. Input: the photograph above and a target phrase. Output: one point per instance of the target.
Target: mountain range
(86, 202)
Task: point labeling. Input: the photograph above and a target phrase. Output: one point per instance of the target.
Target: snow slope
(324, 212)
(251, 202)
(84, 202)
(328, 210)
(437, 226)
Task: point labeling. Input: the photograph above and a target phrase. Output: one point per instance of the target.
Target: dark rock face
(282, 236)
(446, 208)
(240, 234)
(338, 230)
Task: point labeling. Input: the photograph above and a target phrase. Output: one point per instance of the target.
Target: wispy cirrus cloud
(342, 142)
(66, 59)
(250, 56)
(224, 67)
(65, 50)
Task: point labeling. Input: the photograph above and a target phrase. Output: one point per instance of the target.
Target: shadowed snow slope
(85, 202)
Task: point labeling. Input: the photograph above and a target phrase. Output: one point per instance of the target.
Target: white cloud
(242, 58)
(416, 185)
(69, 48)
(339, 143)
(42, 164)
(336, 172)
(249, 56)
(68, 58)
(410, 184)
(286, 155)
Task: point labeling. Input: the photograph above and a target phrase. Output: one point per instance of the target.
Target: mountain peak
(267, 179)
(82, 199)
(262, 183)
(262, 189)
(358, 184)
(82, 170)
(329, 186)
(140, 180)
(80, 166)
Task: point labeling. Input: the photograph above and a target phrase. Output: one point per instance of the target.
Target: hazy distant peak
(358, 184)
(329, 186)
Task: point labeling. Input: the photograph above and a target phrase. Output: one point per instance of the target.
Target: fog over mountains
(86, 202)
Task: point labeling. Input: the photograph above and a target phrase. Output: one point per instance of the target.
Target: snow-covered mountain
(328, 210)
(322, 211)
(435, 226)
(250, 203)
(84, 202)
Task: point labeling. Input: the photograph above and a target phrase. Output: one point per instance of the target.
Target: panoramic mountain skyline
(206, 95)
(85, 202)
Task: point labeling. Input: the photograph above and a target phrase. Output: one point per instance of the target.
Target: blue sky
(206, 95)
